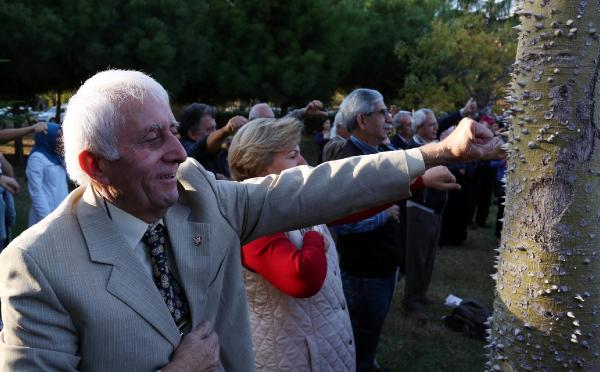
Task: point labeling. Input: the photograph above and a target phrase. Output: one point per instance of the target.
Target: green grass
(407, 345)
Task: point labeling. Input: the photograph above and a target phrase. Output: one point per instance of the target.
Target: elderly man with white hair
(424, 126)
(372, 253)
(402, 123)
(264, 111)
(139, 268)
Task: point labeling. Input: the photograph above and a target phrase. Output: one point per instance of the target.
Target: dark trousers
(471, 190)
(369, 301)
(422, 231)
(453, 229)
(486, 188)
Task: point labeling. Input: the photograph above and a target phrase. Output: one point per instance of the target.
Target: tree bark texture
(547, 306)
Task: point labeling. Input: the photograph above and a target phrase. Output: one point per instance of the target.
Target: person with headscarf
(46, 174)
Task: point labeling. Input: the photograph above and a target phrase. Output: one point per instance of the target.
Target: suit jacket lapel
(190, 246)
(128, 280)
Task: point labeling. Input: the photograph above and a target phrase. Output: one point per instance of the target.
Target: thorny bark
(547, 307)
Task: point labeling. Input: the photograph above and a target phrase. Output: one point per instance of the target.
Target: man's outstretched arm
(305, 196)
(469, 141)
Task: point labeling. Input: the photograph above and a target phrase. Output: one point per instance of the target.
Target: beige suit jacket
(75, 297)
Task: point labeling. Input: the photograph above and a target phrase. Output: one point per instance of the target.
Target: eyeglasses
(384, 112)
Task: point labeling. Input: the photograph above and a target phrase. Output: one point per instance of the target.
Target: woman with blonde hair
(298, 313)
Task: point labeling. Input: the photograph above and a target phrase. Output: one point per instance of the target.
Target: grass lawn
(407, 345)
(464, 271)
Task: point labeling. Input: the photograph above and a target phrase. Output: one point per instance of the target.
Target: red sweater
(301, 272)
(296, 272)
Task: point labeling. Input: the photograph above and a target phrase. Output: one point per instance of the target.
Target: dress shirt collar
(364, 147)
(131, 227)
(404, 140)
(420, 140)
(387, 147)
(338, 138)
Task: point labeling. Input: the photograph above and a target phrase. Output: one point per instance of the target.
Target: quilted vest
(301, 334)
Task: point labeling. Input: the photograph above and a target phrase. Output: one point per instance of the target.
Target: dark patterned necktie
(169, 289)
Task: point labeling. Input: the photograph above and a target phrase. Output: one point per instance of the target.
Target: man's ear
(360, 120)
(90, 163)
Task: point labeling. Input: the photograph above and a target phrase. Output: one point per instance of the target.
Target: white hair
(399, 116)
(359, 101)
(338, 119)
(258, 111)
(101, 106)
(419, 118)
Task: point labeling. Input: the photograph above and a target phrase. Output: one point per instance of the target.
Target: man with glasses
(371, 253)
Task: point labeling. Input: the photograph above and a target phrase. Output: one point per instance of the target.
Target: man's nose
(301, 160)
(175, 151)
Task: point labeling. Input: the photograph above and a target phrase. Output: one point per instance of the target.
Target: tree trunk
(547, 307)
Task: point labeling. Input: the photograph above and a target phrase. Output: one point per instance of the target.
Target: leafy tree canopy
(241, 50)
(463, 57)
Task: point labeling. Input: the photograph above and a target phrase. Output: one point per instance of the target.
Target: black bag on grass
(470, 318)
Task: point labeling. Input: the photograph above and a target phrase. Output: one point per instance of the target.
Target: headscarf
(45, 143)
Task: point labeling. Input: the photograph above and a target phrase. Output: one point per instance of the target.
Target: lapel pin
(198, 240)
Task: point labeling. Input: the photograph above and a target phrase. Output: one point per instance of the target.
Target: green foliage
(387, 31)
(284, 52)
(462, 57)
(216, 51)
(57, 44)
(491, 9)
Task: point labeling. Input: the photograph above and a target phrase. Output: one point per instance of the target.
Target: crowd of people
(191, 247)
(43, 186)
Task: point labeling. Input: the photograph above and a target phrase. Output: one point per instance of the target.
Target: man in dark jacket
(203, 141)
(334, 145)
(402, 123)
(371, 254)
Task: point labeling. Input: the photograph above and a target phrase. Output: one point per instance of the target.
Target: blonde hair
(255, 144)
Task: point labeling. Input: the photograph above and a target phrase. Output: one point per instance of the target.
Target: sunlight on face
(285, 159)
(142, 181)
